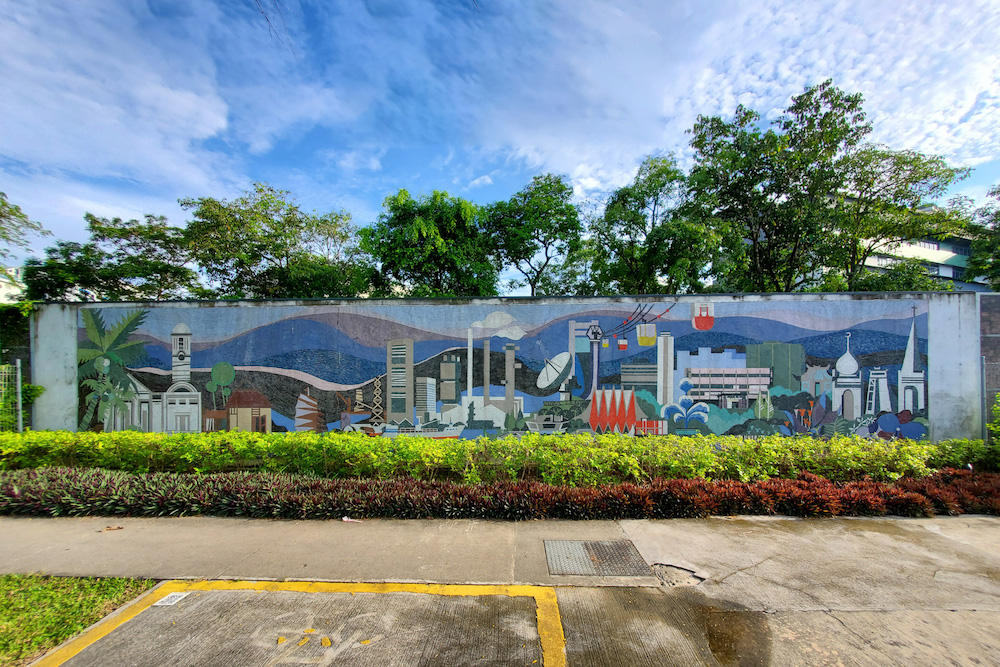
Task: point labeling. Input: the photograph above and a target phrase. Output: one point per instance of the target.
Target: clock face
(181, 356)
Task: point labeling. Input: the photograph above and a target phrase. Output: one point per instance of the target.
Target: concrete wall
(327, 364)
(54, 366)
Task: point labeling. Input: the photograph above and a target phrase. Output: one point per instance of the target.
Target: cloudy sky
(121, 107)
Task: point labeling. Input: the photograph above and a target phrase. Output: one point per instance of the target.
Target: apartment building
(944, 257)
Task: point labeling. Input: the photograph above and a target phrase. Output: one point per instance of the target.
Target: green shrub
(563, 459)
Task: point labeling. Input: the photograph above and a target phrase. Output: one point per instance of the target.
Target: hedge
(581, 460)
(83, 492)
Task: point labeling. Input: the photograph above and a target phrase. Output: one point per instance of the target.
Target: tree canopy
(798, 203)
(647, 241)
(535, 228)
(433, 246)
(985, 257)
(15, 227)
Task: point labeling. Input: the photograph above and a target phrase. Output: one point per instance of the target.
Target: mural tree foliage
(223, 375)
(103, 360)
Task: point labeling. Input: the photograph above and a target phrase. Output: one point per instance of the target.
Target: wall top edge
(643, 298)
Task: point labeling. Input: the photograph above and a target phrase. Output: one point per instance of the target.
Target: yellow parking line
(550, 630)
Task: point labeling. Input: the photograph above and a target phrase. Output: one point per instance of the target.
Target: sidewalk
(716, 591)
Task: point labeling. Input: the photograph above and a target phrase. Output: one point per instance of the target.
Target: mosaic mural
(440, 371)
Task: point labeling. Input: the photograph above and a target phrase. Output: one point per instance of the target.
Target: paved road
(721, 591)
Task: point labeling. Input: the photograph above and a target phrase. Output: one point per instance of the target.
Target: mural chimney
(510, 365)
(665, 368)
(486, 372)
(468, 371)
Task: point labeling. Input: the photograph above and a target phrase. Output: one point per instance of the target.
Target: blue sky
(120, 108)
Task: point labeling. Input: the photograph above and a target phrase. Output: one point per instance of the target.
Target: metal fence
(11, 403)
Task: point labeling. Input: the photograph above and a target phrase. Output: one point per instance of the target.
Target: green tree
(646, 242)
(235, 242)
(535, 228)
(15, 227)
(574, 274)
(886, 198)
(262, 245)
(766, 193)
(147, 258)
(985, 229)
(433, 246)
(70, 271)
(131, 260)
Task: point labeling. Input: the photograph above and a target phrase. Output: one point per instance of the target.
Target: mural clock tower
(180, 361)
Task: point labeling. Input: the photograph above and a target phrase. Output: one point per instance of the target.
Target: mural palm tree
(103, 360)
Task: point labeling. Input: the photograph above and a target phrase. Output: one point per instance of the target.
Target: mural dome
(847, 364)
(181, 328)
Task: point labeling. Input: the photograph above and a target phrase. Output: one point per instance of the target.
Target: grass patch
(37, 612)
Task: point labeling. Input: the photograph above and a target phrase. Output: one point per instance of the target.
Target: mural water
(436, 370)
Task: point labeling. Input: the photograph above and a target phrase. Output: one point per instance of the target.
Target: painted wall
(893, 365)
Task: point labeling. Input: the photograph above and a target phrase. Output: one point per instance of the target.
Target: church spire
(910, 356)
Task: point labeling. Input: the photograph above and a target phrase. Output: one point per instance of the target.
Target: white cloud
(362, 159)
(512, 332)
(494, 320)
(136, 105)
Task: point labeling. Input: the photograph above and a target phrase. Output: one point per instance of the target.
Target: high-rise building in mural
(787, 362)
(399, 375)
(640, 377)
(450, 371)
(728, 387)
(426, 403)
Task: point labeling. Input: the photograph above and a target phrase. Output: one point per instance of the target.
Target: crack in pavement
(713, 580)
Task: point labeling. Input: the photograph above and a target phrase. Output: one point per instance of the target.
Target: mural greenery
(685, 365)
(103, 357)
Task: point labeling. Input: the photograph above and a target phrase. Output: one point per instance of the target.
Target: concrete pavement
(719, 591)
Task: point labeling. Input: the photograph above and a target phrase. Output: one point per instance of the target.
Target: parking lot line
(550, 629)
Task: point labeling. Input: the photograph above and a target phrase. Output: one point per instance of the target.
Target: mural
(685, 366)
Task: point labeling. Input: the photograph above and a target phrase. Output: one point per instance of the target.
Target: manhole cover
(617, 558)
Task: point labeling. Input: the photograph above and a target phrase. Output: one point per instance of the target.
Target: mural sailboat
(307, 414)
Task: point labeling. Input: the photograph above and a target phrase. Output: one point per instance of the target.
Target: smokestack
(486, 372)
(468, 371)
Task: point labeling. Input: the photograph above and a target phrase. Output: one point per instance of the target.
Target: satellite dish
(557, 370)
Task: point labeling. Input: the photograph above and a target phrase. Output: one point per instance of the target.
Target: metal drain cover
(617, 558)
